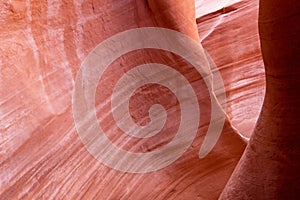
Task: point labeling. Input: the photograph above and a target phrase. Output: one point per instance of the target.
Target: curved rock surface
(43, 44)
(269, 167)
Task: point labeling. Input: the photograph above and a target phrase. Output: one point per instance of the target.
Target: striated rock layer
(269, 167)
(43, 44)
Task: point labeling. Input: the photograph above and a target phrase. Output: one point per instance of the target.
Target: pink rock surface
(230, 35)
(43, 44)
(269, 167)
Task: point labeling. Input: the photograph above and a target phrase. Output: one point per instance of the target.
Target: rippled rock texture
(43, 44)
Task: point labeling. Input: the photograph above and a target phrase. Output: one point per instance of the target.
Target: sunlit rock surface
(43, 44)
(230, 35)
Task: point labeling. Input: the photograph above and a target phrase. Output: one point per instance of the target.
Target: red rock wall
(43, 44)
(230, 35)
(269, 167)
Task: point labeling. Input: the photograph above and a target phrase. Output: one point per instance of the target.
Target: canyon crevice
(254, 46)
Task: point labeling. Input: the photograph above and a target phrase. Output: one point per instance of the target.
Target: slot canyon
(150, 99)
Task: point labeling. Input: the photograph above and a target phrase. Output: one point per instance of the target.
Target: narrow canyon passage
(49, 50)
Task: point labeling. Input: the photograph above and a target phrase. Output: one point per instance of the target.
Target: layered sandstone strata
(44, 43)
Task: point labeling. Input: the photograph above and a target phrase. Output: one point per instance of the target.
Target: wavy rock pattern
(43, 44)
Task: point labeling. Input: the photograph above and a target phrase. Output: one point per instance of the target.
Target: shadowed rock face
(44, 43)
(269, 167)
